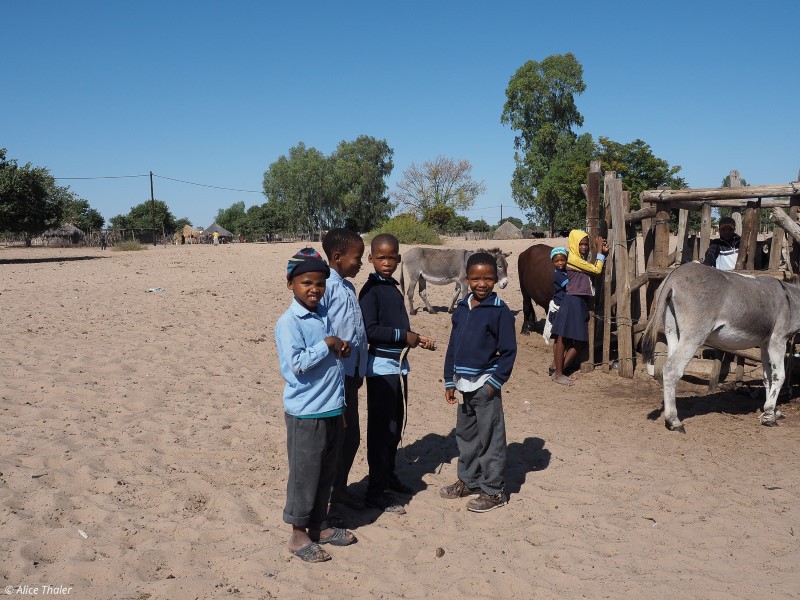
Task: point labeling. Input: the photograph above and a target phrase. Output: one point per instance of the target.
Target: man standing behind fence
(723, 252)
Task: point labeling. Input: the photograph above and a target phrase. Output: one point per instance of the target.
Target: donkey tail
(402, 280)
(656, 323)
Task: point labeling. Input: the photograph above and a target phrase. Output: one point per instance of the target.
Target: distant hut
(225, 236)
(61, 236)
(507, 231)
(187, 235)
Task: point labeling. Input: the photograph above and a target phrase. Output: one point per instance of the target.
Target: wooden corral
(619, 307)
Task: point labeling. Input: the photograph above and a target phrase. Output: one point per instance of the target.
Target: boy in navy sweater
(388, 333)
(479, 360)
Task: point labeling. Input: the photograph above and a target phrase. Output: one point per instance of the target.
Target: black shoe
(398, 486)
(384, 502)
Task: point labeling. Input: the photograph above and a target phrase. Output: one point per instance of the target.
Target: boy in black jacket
(388, 332)
(479, 360)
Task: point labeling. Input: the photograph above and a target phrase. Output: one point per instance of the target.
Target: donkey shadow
(744, 400)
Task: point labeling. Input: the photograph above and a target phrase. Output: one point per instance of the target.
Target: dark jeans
(384, 426)
(312, 446)
(481, 438)
(351, 436)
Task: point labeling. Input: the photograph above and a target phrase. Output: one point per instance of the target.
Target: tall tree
(302, 182)
(438, 188)
(540, 107)
(78, 212)
(141, 217)
(232, 218)
(640, 169)
(30, 200)
(361, 168)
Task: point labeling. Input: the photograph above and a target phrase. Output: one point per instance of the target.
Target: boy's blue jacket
(483, 340)
(314, 375)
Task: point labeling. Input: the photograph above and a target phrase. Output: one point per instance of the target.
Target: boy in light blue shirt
(313, 399)
(345, 249)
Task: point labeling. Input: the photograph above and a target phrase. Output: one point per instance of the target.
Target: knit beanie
(306, 261)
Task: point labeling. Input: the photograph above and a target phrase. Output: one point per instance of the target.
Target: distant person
(313, 400)
(479, 360)
(558, 256)
(103, 241)
(345, 249)
(216, 238)
(388, 333)
(723, 252)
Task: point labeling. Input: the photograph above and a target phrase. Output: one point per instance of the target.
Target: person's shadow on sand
(428, 454)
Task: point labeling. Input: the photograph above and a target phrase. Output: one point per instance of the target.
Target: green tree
(540, 107)
(438, 185)
(141, 217)
(232, 218)
(30, 200)
(360, 169)
(640, 169)
(181, 223)
(303, 184)
(78, 212)
(479, 225)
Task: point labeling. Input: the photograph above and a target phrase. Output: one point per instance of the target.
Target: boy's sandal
(339, 537)
(313, 553)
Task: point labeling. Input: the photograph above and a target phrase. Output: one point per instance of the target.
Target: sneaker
(396, 485)
(485, 502)
(384, 502)
(458, 489)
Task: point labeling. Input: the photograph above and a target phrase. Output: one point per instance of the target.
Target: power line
(104, 177)
(216, 187)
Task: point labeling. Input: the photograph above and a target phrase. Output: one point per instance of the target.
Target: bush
(128, 246)
(408, 230)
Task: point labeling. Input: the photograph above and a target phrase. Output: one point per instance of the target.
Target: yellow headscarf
(574, 259)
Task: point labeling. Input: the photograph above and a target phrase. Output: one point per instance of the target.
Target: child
(313, 401)
(344, 249)
(388, 332)
(558, 256)
(479, 360)
(570, 325)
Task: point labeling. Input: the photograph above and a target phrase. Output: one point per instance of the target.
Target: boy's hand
(450, 396)
(335, 344)
(412, 339)
(599, 245)
(490, 387)
(427, 343)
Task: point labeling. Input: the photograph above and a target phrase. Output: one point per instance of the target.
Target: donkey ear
(507, 253)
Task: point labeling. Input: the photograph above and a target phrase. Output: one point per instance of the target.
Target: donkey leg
(456, 296)
(412, 286)
(774, 374)
(680, 354)
(423, 291)
(527, 314)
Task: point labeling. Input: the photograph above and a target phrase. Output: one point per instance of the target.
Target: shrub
(128, 246)
(408, 230)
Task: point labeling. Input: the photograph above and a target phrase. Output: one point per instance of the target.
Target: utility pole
(153, 208)
(501, 213)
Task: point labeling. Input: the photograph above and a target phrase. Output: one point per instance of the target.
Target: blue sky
(213, 92)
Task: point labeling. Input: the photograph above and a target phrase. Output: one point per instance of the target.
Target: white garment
(548, 324)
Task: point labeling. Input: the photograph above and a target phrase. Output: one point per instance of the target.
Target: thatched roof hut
(66, 233)
(507, 231)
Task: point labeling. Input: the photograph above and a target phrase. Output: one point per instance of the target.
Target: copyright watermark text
(38, 590)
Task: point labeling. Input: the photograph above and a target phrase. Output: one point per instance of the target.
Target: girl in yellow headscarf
(570, 327)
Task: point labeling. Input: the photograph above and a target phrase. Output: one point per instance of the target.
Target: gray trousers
(312, 446)
(481, 438)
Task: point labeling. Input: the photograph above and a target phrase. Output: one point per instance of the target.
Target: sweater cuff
(601, 257)
(495, 382)
(449, 384)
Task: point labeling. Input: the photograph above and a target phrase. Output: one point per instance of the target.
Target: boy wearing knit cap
(313, 400)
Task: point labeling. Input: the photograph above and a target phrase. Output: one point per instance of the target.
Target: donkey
(731, 311)
(443, 266)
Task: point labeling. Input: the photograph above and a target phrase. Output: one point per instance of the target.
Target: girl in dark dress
(570, 327)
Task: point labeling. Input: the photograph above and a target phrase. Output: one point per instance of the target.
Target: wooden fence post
(608, 183)
(623, 287)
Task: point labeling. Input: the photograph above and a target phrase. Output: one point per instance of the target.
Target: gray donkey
(443, 266)
(731, 311)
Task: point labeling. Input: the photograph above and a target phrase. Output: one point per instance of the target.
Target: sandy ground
(143, 456)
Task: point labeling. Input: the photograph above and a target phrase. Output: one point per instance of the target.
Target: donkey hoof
(679, 428)
(412, 312)
(525, 332)
(770, 420)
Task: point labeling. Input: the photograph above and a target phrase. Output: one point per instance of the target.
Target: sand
(143, 455)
